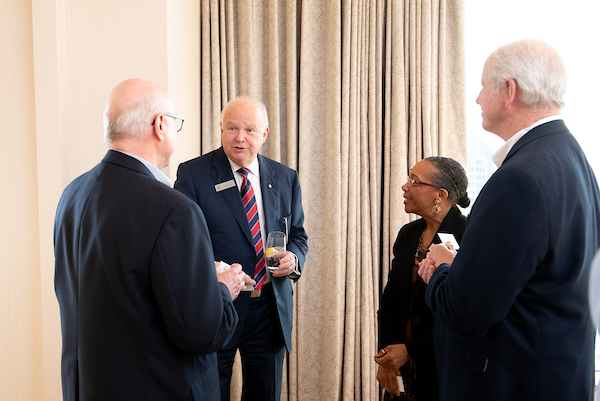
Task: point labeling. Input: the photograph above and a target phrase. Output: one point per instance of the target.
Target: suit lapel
(221, 172)
(269, 187)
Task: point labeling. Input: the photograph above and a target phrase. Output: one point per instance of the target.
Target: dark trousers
(261, 349)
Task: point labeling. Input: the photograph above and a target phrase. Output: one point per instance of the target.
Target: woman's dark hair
(451, 176)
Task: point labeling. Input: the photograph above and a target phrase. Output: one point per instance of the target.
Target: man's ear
(159, 126)
(511, 91)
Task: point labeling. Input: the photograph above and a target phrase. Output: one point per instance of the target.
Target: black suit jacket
(228, 226)
(137, 288)
(393, 312)
(512, 316)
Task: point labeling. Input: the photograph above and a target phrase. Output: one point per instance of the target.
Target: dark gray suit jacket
(142, 313)
(511, 314)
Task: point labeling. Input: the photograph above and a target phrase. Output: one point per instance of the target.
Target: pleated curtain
(357, 92)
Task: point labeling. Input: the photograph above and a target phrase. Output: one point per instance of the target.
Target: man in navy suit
(142, 310)
(216, 181)
(512, 317)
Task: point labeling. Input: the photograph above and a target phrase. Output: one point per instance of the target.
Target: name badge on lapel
(225, 185)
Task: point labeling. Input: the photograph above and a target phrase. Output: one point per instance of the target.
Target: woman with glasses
(435, 187)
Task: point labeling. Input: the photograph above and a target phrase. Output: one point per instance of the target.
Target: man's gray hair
(133, 122)
(537, 69)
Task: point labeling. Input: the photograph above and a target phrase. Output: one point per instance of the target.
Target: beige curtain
(357, 92)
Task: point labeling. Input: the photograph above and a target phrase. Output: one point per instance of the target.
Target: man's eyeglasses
(178, 120)
(411, 181)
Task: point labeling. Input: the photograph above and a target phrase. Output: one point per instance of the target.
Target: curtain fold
(357, 92)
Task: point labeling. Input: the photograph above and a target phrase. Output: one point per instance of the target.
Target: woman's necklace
(421, 251)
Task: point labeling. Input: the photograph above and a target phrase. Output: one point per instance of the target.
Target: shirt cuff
(296, 273)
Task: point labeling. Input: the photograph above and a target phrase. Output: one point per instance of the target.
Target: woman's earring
(436, 208)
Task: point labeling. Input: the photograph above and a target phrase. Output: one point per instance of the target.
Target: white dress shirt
(500, 155)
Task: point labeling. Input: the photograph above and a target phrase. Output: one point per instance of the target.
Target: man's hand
(426, 269)
(442, 254)
(437, 255)
(287, 264)
(234, 278)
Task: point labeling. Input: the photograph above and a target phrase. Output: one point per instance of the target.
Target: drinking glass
(275, 249)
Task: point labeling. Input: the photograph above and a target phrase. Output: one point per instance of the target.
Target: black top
(393, 312)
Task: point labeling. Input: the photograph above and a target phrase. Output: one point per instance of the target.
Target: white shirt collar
(253, 166)
(158, 175)
(500, 155)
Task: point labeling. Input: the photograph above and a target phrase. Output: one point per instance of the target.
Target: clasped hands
(440, 253)
(234, 279)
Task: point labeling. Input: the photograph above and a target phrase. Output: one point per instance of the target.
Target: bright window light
(572, 28)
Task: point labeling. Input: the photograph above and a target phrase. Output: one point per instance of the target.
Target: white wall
(60, 60)
(20, 297)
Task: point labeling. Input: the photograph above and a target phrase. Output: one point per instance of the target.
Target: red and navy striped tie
(251, 209)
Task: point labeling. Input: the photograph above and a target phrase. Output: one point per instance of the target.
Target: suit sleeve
(184, 183)
(197, 309)
(298, 242)
(506, 238)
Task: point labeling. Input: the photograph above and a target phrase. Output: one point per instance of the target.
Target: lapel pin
(270, 186)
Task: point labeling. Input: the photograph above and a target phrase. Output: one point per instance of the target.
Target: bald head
(247, 101)
(131, 108)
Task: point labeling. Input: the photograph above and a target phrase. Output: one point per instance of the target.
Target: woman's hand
(387, 380)
(393, 357)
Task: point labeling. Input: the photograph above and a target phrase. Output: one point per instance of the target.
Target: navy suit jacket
(228, 226)
(511, 313)
(142, 312)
